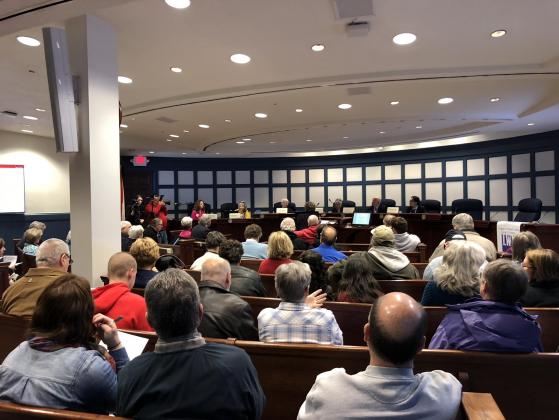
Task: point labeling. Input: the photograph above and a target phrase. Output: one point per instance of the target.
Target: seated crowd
(62, 365)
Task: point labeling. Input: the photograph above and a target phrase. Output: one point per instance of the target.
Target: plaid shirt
(298, 323)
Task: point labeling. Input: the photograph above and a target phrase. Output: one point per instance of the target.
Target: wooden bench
(11, 411)
(13, 330)
(4, 277)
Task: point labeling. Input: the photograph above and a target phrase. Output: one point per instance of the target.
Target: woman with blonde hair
(280, 249)
(542, 268)
(146, 252)
(458, 277)
(243, 210)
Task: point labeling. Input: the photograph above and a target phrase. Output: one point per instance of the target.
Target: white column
(95, 169)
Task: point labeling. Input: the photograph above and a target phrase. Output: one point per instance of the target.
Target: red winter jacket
(308, 235)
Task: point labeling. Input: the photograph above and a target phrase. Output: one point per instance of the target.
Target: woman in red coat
(198, 211)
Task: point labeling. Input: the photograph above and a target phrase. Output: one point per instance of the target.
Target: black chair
(348, 203)
(227, 208)
(471, 206)
(291, 206)
(431, 206)
(529, 210)
(385, 203)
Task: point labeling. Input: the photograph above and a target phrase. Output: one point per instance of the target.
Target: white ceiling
(454, 55)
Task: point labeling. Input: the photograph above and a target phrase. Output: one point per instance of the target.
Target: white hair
(50, 251)
(287, 224)
(186, 222)
(313, 220)
(136, 231)
(292, 280)
(463, 221)
(124, 224)
(460, 272)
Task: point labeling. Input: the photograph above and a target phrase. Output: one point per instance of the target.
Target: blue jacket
(329, 253)
(72, 378)
(485, 325)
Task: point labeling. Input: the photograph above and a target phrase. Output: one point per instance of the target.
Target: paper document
(133, 344)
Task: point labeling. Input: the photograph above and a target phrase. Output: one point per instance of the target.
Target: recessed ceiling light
(394, 102)
(498, 33)
(151, 153)
(405, 38)
(272, 142)
(227, 121)
(298, 110)
(382, 132)
(185, 131)
(495, 99)
(27, 131)
(531, 123)
(40, 109)
(344, 106)
(174, 135)
(178, 4)
(444, 101)
(203, 126)
(308, 140)
(184, 153)
(240, 142)
(29, 117)
(381, 147)
(123, 126)
(418, 126)
(217, 153)
(176, 69)
(125, 80)
(318, 47)
(169, 139)
(247, 139)
(346, 137)
(261, 115)
(27, 40)
(240, 58)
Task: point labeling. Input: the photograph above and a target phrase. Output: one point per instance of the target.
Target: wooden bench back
(14, 330)
(11, 411)
(252, 263)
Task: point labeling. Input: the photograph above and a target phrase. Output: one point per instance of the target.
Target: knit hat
(454, 235)
(383, 236)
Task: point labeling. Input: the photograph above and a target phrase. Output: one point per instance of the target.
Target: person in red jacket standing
(198, 211)
(116, 301)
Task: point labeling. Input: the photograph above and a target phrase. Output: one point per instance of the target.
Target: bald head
(217, 270)
(122, 268)
(397, 325)
(328, 235)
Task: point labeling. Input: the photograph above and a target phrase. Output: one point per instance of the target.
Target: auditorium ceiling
(500, 86)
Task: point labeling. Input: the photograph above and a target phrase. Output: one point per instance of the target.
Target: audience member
(61, 365)
(115, 299)
(252, 247)
(458, 277)
(53, 259)
(326, 248)
(494, 323)
(156, 209)
(201, 230)
(297, 319)
(465, 223)
(125, 241)
(403, 241)
(186, 224)
(451, 236)
(154, 231)
(358, 283)
(34, 224)
(542, 268)
(522, 242)
(387, 262)
(185, 377)
(280, 249)
(135, 232)
(302, 217)
(309, 235)
(198, 211)
(287, 226)
(387, 388)
(415, 205)
(32, 238)
(166, 261)
(243, 210)
(244, 281)
(146, 252)
(387, 220)
(319, 278)
(213, 241)
(225, 314)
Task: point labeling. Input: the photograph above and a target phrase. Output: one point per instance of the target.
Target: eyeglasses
(70, 260)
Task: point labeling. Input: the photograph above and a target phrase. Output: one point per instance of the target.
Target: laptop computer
(361, 219)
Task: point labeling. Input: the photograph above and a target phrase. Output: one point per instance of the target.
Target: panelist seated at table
(415, 205)
(381, 206)
(285, 203)
(243, 210)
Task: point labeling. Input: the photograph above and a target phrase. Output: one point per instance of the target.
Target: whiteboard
(12, 189)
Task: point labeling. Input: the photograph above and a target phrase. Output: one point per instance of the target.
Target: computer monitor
(348, 210)
(393, 210)
(361, 219)
(282, 210)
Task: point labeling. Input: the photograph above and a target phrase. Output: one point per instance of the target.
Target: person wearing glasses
(53, 259)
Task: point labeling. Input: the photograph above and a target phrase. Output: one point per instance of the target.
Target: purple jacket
(485, 325)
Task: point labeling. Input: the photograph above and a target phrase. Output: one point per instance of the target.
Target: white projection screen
(12, 195)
